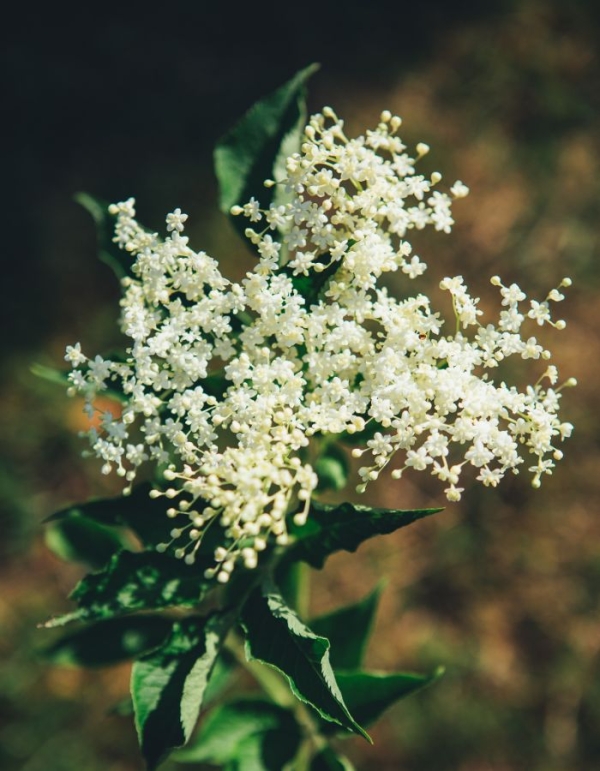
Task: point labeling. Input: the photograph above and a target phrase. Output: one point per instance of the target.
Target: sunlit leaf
(251, 734)
(135, 581)
(167, 686)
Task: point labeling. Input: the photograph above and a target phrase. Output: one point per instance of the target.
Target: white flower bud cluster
(350, 359)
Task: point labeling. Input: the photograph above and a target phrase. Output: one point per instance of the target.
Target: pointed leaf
(369, 694)
(167, 686)
(330, 760)
(136, 581)
(348, 630)
(332, 528)
(277, 637)
(252, 734)
(79, 539)
(253, 149)
(117, 259)
(56, 376)
(145, 516)
(110, 641)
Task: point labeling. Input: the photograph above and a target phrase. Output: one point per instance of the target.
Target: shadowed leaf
(276, 636)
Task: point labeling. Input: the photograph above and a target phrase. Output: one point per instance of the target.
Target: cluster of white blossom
(225, 385)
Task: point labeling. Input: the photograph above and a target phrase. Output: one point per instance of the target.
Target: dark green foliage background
(503, 589)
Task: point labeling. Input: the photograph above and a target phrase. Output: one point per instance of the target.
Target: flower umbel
(231, 389)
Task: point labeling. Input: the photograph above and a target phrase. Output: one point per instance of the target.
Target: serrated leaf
(369, 694)
(109, 642)
(167, 687)
(330, 760)
(277, 637)
(251, 734)
(252, 151)
(80, 539)
(117, 259)
(145, 516)
(331, 528)
(135, 581)
(348, 630)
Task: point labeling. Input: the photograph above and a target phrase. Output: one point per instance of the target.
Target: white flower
(231, 413)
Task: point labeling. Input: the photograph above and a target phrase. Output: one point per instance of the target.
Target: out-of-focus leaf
(146, 516)
(330, 760)
(369, 694)
(80, 539)
(117, 259)
(167, 686)
(277, 637)
(110, 641)
(332, 469)
(249, 734)
(348, 630)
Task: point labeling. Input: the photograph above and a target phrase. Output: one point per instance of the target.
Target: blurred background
(503, 588)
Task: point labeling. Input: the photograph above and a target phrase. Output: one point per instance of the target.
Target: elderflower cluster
(230, 388)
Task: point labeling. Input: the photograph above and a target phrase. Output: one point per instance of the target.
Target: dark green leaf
(332, 528)
(249, 734)
(110, 641)
(79, 539)
(348, 630)
(330, 760)
(146, 516)
(252, 151)
(136, 581)
(310, 287)
(167, 687)
(369, 694)
(276, 636)
(332, 469)
(117, 259)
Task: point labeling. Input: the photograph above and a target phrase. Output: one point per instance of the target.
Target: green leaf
(252, 151)
(110, 641)
(277, 637)
(369, 694)
(145, 516)
(250, 734)
(117, 259)
(348, 630)
(220, 677)
(56, 376)
(330, 760)
(167, 687)
(331, 528)
(79, 539)
(332, 469)
(136, 581)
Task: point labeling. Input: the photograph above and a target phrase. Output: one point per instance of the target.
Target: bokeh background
(502, 589)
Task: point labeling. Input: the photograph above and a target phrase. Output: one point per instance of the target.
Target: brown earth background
(503, 588)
